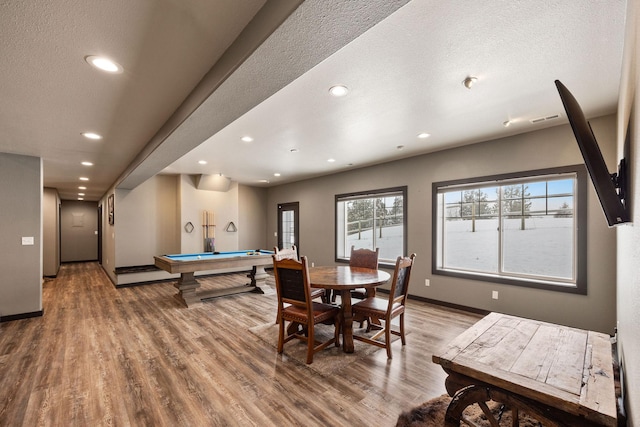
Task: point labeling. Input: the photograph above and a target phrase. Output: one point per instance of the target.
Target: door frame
(285, 207)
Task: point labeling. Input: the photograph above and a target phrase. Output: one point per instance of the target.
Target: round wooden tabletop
(346, 277)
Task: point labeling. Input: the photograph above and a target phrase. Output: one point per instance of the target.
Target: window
(372, 219)
(527, 229)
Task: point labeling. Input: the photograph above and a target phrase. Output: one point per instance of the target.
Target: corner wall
(252, 221)
(224, 205)
(50, 232)
(20, 265)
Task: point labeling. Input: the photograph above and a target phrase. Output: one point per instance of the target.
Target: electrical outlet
(494, 294)
(313, 264)
(427, 282)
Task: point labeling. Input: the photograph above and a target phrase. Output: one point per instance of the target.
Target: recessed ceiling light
(294, 150)
(276, 174)
(82, 188)
(91, 135)
(80, 198)
(400, 147)
(202, 162)
(84, 178)
(264, 181)
(424, 135)
(87, 164)
(338, 90)
(331, 160)
(247, 139)
(80, 194)
(104, 64)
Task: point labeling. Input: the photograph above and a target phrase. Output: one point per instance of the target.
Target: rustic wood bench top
(564, 368)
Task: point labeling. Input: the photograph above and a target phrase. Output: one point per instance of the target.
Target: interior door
(288, 226)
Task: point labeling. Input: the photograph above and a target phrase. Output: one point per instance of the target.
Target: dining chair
(361, 257)
(294, 290)
(374, 308)
(292, 253)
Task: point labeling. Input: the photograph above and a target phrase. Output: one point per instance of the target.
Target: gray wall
(252, 222)
(50, 232)
(78, 231)
(542, 149)
(21, 210)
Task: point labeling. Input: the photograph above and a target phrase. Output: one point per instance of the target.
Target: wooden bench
(559, 375)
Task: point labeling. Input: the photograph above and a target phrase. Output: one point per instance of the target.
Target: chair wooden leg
(387, 338)
(338, 325)
(404, 342)
(280, 335)
(310, 342)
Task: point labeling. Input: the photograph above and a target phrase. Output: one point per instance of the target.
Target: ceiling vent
(544, 119)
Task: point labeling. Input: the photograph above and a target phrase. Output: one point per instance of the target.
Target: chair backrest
(364, 258)
(292, 281)
(291, 253)
(400, 283)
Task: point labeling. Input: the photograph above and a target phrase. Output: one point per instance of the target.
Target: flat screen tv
(609, 187)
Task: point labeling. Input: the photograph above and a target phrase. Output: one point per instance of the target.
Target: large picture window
(525, 229)
(372, 219)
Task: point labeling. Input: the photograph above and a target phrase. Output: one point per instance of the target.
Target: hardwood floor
(135, 357)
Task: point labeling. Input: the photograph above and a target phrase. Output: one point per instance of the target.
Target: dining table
(344, 279)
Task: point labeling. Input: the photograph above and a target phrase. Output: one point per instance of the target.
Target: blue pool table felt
(216, 255)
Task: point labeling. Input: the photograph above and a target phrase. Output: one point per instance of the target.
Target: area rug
(432, 412)
(325, 362)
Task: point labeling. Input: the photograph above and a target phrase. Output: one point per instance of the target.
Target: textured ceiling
(405, 77)
(404, 73)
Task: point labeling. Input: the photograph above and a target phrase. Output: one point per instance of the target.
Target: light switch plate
(27, 241)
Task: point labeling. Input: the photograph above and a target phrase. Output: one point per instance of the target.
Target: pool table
(188, 264)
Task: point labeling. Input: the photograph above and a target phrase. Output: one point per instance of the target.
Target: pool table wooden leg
(187, 287)
(258, 276)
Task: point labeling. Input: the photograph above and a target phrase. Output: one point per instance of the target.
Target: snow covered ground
(543, 248)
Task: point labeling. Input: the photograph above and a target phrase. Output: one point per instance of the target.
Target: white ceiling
(188, 78)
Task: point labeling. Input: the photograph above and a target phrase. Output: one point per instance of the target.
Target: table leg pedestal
(347, 321)
(258, 277)
(187, 287)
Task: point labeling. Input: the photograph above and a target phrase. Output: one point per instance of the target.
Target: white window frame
(576, 284)
(343, 248)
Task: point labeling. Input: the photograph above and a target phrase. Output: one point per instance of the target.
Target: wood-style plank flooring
(102, 356)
